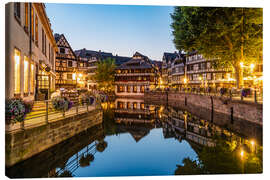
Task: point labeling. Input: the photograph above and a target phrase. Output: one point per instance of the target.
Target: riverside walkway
(44, 114)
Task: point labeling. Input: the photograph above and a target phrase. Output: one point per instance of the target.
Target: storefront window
(17, 58)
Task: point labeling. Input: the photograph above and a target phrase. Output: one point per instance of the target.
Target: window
(17, 10)
(49, 52)
(135, 105)
(32, 22)
(62, 50)
(142, 106)
(36, 29)
(142, 89)
(135, 89)
(81, 64)
(26, 71)
(26, 15)
(69, 76)
(42, 41)
(128, 105)
(120, 105)
(120, 89)
(32, 78)
(17, 59)
(45, 45)
(128, 88)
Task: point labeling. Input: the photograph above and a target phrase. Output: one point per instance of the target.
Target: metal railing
(255, 96)
(44, 113)
(73, 164)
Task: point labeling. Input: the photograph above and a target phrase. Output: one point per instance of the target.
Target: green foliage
(230, 35)
(105, 75)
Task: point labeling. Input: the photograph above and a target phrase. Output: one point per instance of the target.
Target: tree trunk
(238, 75)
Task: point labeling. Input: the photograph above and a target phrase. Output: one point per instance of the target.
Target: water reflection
(143, 139)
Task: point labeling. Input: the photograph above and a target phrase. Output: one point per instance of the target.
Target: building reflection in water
(135, 117)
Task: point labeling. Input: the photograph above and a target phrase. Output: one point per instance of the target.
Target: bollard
(47, 112)
(87, 107)
(64, 113)
(185, 101)
(77, 109)
(230, 94)
(242, 98)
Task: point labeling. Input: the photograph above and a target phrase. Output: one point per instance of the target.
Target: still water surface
(137, 139)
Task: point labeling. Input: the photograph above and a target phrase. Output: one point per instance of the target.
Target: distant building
(201, 72)
(167, 61)
(91, 58)
(66, 64)
(132, 78)
(194, 70)
(30, 52)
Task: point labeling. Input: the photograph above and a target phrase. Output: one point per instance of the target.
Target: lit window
(135, 89)
(32, 79)
(17, 58)
(26, 70)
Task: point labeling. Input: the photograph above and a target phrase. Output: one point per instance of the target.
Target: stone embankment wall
(24, 144)
(235, 109)
(56, 156)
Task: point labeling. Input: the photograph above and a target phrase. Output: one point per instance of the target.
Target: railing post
(22, 125)
(255, 96)
(64, 113)
(87, 107)
(47, 112)
(77, 109)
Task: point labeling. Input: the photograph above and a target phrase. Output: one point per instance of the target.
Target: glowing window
(17, 58)
(26, 71)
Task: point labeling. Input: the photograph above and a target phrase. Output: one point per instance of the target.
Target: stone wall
(235, 109)
(56, 156)
(24, 144)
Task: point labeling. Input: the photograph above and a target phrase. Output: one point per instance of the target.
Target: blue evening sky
(120, 29)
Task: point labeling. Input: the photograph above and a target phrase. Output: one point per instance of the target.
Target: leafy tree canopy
(231, 35)
(104, 75)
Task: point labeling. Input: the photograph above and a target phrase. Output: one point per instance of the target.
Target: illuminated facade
(30, 52)
(136, 76)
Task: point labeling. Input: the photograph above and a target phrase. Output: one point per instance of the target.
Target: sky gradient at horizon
(119, 29)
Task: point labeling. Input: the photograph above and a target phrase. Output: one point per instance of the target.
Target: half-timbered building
(65, 64)
(135, 76)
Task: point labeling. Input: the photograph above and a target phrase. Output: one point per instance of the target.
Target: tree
(105, 75)
(229, 35)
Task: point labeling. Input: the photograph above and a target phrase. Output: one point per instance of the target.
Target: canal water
(139, 139)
